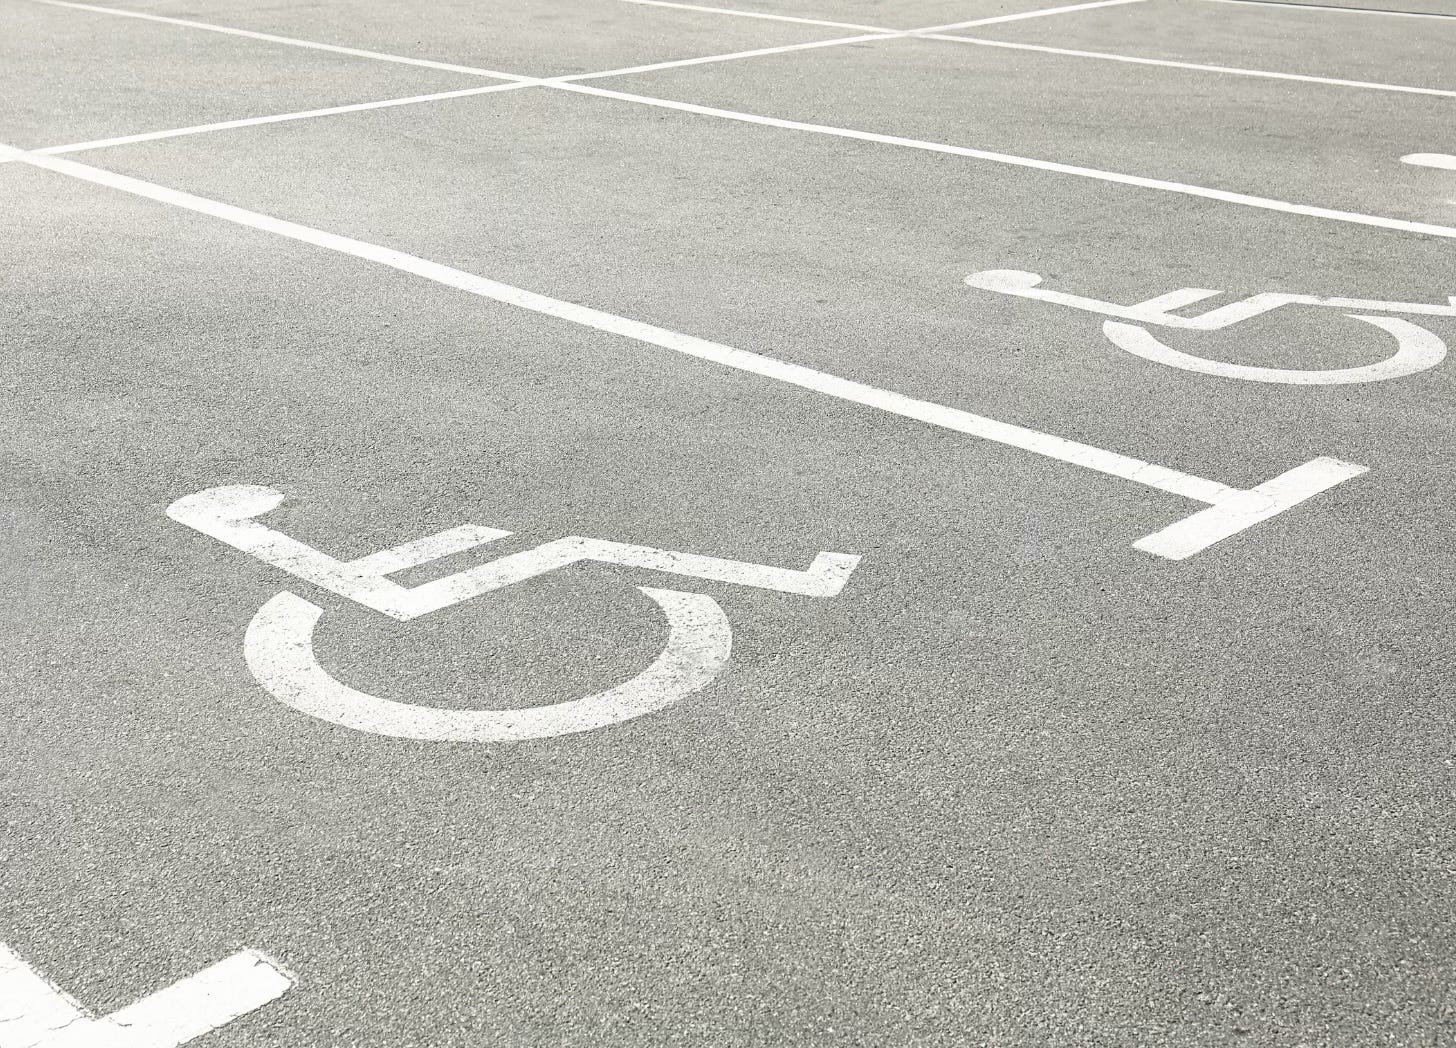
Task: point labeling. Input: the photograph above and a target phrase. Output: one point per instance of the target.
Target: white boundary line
(1444, 161)
(1204, 192)
(1231, 70)
(570, 84)
(1071, 52)
(1084, 455)
(1186, 189)
(757, 14)
(228, 125)
(1237, 509)
(354, 52)
(1319, 8)
(1023, 15)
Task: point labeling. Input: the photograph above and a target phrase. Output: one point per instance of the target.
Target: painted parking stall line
(36, 1014)
(575, 83)
(1087, 456)
(1304, 6)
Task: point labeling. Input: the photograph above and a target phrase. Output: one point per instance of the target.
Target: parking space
(868, 708)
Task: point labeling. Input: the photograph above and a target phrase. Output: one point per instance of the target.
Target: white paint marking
(1023, 284)
(1201, 530)
(34, 1014)
(568, 84)
(884, 30)
(879, 34)
(1168, 301)
(1022, 15)
(228, 125)
(758, 14)
(1085, 455)
(935, 414)
(707, 59)
(1198, 67)
(31, 1009)
(279, 652)
(1285, 5)
(1439, 160)
(1418, 350)
(1185, 189)
(430, 548)
(353, 52)
(538, 81)
(228, 515)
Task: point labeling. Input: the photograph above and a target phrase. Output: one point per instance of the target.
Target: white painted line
(758, 14)
(1084, 455)
(935, 414)
(1440, 160)
(31, 1009)
(739, 13)
(228, 125)
(1204, 528)
(678, 63)
(279, 650)
(167, 1018)
(1199, 67)
(568, 84)
(1183, 188)
(879, 34)
(1290, 5)
(353, 52)
(1021, 16)
(418, 552)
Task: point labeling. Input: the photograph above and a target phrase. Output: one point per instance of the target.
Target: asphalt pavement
(1119, 714)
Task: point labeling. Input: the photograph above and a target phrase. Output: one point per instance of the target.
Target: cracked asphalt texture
(1017, 785)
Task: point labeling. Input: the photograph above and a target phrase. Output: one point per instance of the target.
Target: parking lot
(627, 523)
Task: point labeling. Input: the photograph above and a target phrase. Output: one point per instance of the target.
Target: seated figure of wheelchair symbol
(278, 645)
(1417, 348)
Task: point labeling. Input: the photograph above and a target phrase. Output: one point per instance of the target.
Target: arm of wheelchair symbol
(228, 515)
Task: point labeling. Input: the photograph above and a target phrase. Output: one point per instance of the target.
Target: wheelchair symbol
(279, 642)
(1417, 349)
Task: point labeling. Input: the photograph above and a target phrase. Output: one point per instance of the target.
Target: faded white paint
(36, 1014)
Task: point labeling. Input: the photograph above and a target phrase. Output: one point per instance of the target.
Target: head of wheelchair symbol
(278, 645)
(1417, 348)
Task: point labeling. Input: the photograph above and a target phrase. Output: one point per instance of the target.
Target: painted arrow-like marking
(35, 1014)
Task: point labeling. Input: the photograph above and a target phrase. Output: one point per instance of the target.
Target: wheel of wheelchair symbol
(1417, 350)
(279, 652)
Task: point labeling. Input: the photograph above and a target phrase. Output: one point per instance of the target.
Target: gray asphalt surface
(1018, 784)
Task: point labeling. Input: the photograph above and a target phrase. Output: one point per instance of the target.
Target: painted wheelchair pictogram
(278, 645)
(1417, 349)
